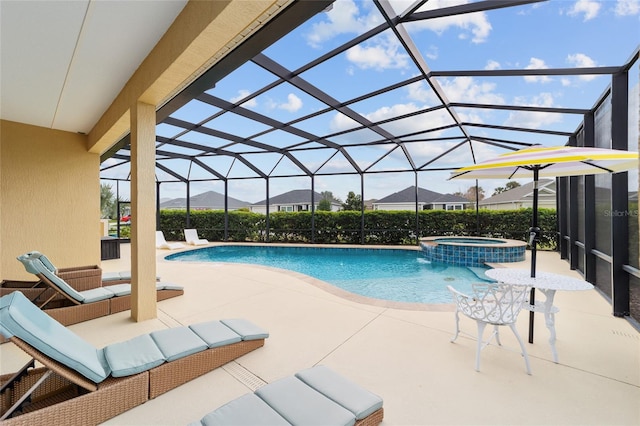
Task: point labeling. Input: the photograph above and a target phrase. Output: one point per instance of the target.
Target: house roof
(408, 195)
(297, 196)
(209, 199)
(518, 193)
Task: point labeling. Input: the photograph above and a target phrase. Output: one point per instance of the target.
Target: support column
(143, 197)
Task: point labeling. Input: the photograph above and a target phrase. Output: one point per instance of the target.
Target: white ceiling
(62, 63)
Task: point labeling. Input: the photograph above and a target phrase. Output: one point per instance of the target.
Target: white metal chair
(491, 303)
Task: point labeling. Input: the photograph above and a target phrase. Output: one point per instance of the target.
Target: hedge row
(380, 227)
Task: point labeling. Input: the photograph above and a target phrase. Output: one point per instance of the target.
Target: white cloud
(293, 103)
(627, 7)
(343, 18)
(243, 93)
(475, 26)
(492, 65)
(466, 89)
(458, 89)
(535, 63)
(589, 9)
(533, 120)
(581, 60)
(383, 53)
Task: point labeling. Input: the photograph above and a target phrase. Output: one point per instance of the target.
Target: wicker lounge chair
(161, 243)
(69, 306)
(316, 395)
(191, 237)
(83, 385)
(84, 277)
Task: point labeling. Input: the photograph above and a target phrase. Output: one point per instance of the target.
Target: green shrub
(354, 227)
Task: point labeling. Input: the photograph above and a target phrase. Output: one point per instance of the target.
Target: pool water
(390, 274)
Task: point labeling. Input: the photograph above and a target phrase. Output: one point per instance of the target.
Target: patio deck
(404, 355)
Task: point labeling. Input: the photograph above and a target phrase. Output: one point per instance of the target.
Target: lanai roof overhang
(202, 135)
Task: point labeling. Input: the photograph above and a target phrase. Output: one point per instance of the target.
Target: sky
(553, 34)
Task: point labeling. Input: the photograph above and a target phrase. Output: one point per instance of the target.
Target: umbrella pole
(533, 239)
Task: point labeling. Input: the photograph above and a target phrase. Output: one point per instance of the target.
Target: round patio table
(548, 283)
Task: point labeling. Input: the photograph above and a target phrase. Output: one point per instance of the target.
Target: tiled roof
(297, 196)
(518, 193)
(209, 199)
(408, 195)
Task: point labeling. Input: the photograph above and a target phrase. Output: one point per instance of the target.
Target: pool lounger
(83, 277)
(318, 396)
(70, 306)
(83, 385)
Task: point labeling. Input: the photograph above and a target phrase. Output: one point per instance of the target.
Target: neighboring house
(298, 200)
(522, 197)
(210, 200)
(427, 200)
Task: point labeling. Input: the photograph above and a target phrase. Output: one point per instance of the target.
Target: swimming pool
(390, 274)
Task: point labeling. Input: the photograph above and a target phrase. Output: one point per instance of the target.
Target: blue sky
(553, 34)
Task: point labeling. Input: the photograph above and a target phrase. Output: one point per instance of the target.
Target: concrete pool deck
(403, 355)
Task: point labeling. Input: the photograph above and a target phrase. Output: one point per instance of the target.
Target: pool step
(479, 272)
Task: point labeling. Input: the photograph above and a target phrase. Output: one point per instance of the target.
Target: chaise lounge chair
(84, 277)
(70, 306)
(315, 396)
(83, 385)
(161, 243)
(191, 237)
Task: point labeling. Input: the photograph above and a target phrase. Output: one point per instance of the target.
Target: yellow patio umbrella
(538, 161)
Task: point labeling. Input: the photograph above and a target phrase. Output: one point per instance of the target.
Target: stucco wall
(50, 197)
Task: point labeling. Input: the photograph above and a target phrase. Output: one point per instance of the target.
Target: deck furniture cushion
(338, 388)
(178, 342)
(21, 318)
(44, 259)
(116, 276)
(96, 294)
(133, 356)
(246, 329)
(300, 404)
(119, 289)
(248, 410)
(168, 286)
(35, 266)
(215, 333)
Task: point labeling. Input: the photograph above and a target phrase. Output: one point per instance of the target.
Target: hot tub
(472, 251)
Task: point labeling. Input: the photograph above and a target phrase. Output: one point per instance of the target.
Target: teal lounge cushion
(175, 343)
(300, 404)
(248, 410)
(246, 329)
(35, 266)
(44, 259)
(21, 318)
(168, 286)
(96, 294)
(116, 276)
(133, 356)
(215, 333)
(119, 289)
(338, 388)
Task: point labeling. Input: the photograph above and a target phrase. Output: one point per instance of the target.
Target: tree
(326, 198)
(107, 202)
(353, 202)
(510, 185)
(470, 193)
